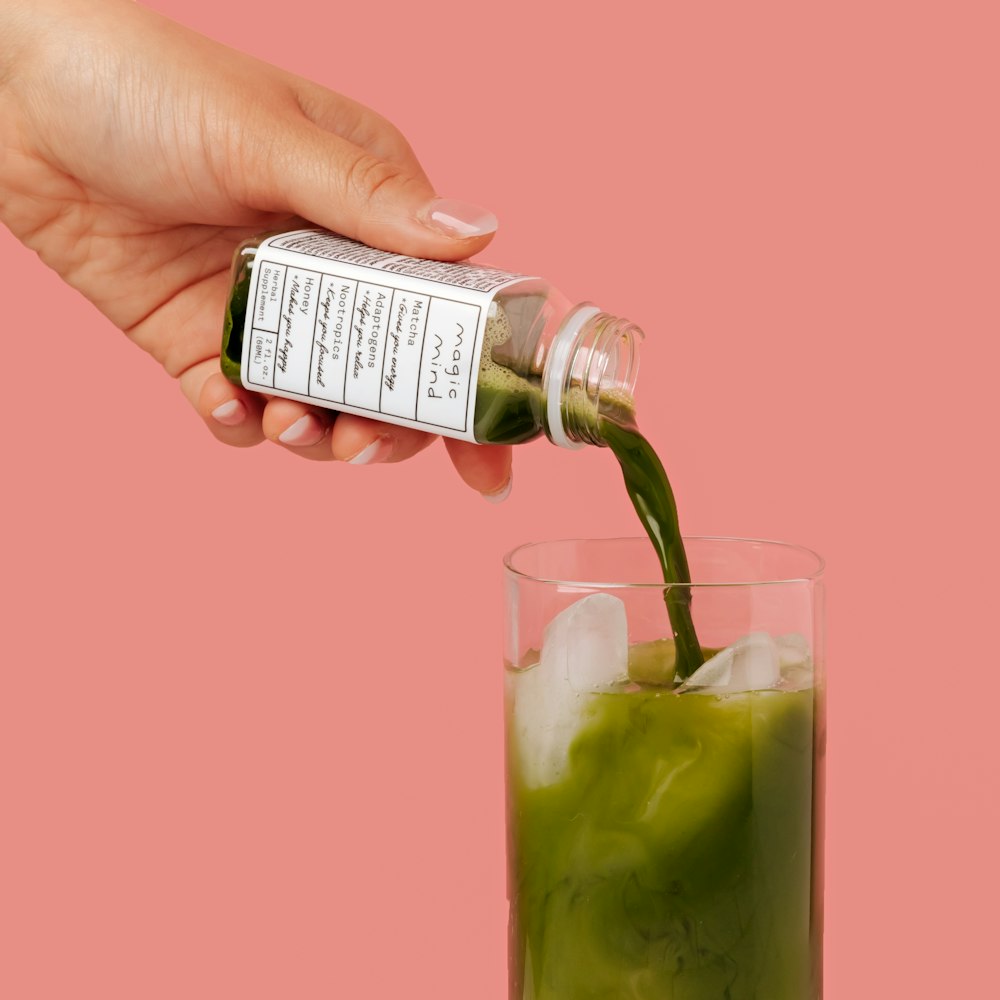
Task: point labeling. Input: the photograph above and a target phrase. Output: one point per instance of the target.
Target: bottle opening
(594, 358)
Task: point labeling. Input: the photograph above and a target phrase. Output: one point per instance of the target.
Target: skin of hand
(136, 154)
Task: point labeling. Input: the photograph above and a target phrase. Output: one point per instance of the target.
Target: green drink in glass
(664, 833)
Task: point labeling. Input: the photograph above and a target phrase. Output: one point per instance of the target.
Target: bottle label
(338, 324)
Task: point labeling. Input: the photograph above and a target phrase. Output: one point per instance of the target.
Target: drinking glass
(664, 833)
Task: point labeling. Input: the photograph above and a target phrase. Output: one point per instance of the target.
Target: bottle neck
(592, 364)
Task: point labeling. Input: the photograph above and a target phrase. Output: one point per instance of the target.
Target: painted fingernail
(502, 493)
(231, 413)
(458, 219)
(305, 431)
(378, 451)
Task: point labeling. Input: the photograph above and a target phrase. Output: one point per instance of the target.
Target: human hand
(136, 154)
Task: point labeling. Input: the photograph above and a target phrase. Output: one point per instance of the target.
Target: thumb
(334, 183)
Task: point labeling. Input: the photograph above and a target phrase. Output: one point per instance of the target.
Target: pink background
(236, 763)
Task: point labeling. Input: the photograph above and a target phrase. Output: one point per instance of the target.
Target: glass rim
(819, 567)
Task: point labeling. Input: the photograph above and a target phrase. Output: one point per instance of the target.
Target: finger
(360, 441)
(485, 467)
(408, 442)
(343, 187)
(356, 123)
(299, 428)
(230, 412)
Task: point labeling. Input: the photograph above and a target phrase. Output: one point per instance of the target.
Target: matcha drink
(663, 834)
(674, 857)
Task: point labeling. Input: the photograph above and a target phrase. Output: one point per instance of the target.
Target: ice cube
(752, 663)
(793, 650)
(585, 649)
(588, 643)
(795, 658)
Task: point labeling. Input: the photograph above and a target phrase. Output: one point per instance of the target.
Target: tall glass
(664, 835)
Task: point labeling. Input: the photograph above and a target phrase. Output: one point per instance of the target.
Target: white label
(339, 324)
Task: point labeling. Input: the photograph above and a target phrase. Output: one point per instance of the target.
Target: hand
(135, 155)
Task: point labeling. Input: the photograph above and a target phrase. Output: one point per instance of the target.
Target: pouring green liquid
(651, 495)
(507, 409)
(510, 408)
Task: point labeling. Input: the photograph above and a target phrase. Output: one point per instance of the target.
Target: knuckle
(367, 175)
(383, 133)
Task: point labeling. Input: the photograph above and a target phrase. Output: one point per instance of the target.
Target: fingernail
(458, 219)
(378, 451)
(231, 413)
(305, 431)
(502, 493)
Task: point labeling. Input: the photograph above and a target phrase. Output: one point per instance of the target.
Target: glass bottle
(538, 364)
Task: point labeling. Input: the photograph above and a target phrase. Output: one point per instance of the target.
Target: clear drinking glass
(664, 837)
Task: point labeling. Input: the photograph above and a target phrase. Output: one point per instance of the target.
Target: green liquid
(672, 859)
(512, 414)
(649, 490)
(508, 415)
(233, 324)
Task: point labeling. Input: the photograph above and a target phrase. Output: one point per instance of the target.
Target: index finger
(356, 123)
(485, 467)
